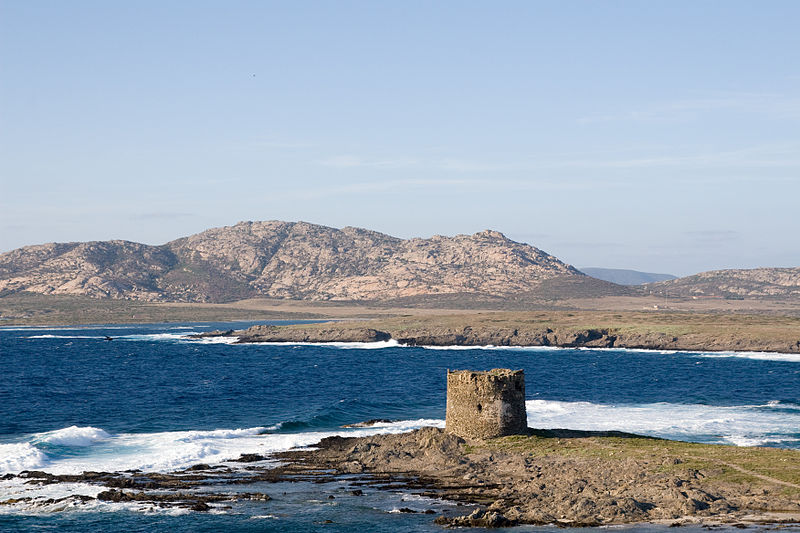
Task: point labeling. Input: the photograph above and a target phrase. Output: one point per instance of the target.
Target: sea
(155, 400)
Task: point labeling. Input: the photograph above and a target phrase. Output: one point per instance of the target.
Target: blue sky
(658, 136)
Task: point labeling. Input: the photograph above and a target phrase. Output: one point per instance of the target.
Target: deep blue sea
(71, 401)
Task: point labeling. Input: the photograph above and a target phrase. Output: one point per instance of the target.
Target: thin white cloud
(447, 163)
(273, 144)
(786, 155)
(773, 105)
(354, 161)
(482, 185)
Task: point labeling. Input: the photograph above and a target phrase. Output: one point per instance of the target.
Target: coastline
(574, 478)
(675, 332)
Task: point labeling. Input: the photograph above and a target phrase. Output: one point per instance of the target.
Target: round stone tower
(486, 404)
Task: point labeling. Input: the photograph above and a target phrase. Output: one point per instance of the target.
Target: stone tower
(486, 404)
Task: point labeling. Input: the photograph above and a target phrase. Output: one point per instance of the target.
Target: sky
(656, 136)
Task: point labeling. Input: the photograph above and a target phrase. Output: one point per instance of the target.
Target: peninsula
(573, 478)
(594, 329)
(488, 457)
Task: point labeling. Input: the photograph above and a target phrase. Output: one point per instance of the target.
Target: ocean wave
(377, 345)
(392, 343)
(744, 440)
(758, 356)
(153, 337)
(72, 436)
(17, 457)
(213, 340)
(493, 347)
(773, 423)
(164, 451)
(50, 336)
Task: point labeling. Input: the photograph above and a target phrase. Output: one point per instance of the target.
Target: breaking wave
(774, 423)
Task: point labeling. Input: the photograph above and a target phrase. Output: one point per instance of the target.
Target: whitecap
(493, 347)
(377, 345)
(213, 340)
(166, 451)
(773, 423)
(15, 457)
(758, 356)
(72, 436)
(49, 336)
(744, 440)
(153, 337)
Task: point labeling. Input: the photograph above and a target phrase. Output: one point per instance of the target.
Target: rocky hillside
(283, 260)
(753, 283)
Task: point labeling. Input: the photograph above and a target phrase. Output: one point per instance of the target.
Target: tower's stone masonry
(489, 404)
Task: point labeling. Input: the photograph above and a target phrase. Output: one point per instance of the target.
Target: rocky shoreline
(563, 477)
(508, 336)
(568, 478)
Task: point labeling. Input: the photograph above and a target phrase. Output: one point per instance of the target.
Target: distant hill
(752, 283)
(294, 260)
(622, 276)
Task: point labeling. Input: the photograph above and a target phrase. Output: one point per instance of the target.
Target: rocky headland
(574, 478)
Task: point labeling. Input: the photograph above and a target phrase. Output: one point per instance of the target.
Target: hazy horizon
(642, 136)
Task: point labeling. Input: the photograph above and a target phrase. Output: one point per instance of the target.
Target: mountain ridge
(296, 260)
(304, 261)
(777, 282)
(624, 276)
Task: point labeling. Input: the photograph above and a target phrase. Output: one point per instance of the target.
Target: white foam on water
(212, 340)
(758, 356)
(745, 425)
(741, 440)
(43, 499)
(377, 345)
(49, 336)
(153, 337)
(98, 450)
(72, 436)
(627, 350)
(762, 356)
(493, 347)
(18, 456)
(149, 452)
